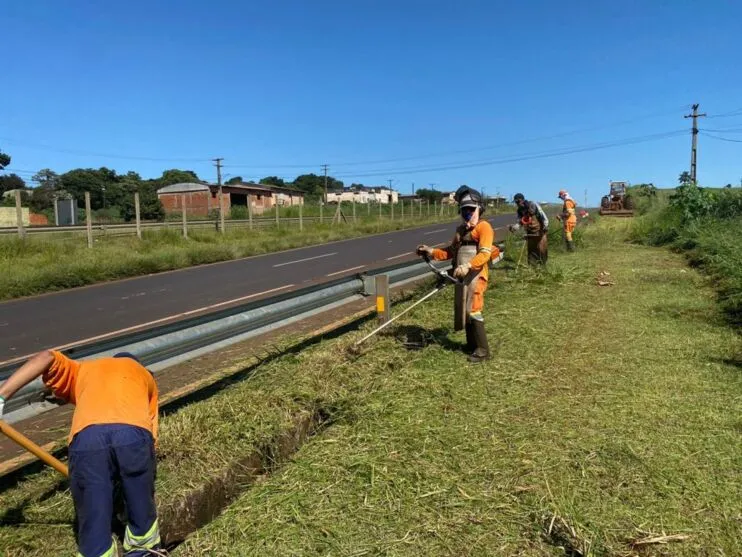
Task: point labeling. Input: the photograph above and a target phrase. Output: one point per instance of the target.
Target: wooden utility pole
(694, 141)
(218, 162)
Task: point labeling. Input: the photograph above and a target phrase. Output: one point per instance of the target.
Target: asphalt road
(74, 316)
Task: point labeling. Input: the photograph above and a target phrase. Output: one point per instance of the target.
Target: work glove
(513, 227)
(422, 249)
(461, 271)
(2, 405)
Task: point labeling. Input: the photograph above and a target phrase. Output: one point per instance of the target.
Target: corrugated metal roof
(183, 188)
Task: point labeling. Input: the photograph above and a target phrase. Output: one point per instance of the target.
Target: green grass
(609, 415)
(37, 264)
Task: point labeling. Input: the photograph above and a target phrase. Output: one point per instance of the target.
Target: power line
(721, 138)
(736, 112)
(524, 157)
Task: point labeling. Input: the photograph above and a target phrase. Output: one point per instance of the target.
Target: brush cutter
(444, 279)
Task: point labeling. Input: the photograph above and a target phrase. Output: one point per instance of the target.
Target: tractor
(618, 202)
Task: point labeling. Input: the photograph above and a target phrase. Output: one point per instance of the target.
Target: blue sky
(284, 87)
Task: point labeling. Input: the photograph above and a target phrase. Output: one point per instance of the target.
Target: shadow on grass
(415, 337)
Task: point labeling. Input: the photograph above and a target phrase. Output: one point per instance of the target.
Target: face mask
(467, 213)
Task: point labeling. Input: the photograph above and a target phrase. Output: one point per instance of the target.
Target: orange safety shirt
(105, 391)
(483, 234)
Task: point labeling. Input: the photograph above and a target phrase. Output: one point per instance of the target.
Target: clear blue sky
(274, 84)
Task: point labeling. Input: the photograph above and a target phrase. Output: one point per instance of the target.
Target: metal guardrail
(130, 228)
(166, 345)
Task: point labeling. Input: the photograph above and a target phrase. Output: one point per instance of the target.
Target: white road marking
(400, 255)
(435, 231)
(155, 322)
(306, 259)
(345, 271)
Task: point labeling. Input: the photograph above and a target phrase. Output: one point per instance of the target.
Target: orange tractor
(618, 203)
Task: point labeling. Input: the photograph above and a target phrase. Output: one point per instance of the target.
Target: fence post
(321, 212)
(421, 208)
(19, 214)
(379, 211)
(382, 298)
(249, 212)
(301, 214)
(137, 215)
(354, 210)
(88, 219)
(402, 208)
(278, 218)
(391, 203)
(56, 211)
(185, 217)
(368, 207)
(222, 226)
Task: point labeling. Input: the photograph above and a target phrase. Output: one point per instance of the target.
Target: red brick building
(201, 199)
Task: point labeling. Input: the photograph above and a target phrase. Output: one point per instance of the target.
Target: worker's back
(105, 391)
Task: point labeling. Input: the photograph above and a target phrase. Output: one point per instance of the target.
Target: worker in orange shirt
(568, 218)
(113, 435)
(471, 250)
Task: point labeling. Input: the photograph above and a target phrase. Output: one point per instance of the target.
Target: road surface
(75, 316)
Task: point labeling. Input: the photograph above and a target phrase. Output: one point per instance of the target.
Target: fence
(237, 217)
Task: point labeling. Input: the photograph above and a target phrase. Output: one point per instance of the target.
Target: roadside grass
(37, 265)
(607, 424)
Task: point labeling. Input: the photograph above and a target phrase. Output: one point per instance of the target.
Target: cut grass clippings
(42, 264)
(607, 424)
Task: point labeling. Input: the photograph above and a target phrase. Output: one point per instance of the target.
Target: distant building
(363, 195)
(201, 199)
(10, 194)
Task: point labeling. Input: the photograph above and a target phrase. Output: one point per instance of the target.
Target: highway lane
(78, 315)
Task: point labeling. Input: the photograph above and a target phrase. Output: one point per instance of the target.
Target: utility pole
(585, 206)
(218, 162)
(324, 167)
(694, 141)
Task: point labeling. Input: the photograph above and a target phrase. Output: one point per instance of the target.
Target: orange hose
(16, 436)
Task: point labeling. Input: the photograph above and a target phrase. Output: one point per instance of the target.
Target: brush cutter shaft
(17, 437)
(400, 314)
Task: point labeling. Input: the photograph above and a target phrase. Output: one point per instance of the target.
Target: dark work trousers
(100, 456)
(538, 249)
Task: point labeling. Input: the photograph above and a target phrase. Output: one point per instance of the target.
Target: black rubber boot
(471, 342)
(570, 245)
(482, 351)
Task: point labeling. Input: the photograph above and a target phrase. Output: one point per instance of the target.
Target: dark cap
(519, 197)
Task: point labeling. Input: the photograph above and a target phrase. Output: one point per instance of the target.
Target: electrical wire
(722, 138)
(736, 112)
(518, 158)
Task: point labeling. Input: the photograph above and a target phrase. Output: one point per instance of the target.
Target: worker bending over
(471, 250)
(113, 434)
(568, 218)
(535, 224)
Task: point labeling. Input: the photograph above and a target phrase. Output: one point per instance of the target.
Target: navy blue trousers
(100, 456)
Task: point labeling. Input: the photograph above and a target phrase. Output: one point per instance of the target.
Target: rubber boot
(482, 351)
(471, 342)
(570, 245)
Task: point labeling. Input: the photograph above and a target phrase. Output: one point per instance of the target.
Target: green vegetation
(707, 226)
(606, 424)
(42, 264)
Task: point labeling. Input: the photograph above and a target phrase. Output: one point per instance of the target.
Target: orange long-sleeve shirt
(105, 391)
(483, 234)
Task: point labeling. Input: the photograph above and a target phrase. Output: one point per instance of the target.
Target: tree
(103, 184)
(47, 187)
(430, 195)
(273, 181)
(314, 185)
(175, 176)
(150, 207)
(234, 180)
(684, 178)
(10, 182)
(4, 160)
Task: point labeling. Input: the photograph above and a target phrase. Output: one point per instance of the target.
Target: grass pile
(607, 424)
(42, 264)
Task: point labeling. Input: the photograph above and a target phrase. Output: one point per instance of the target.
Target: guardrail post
(19, 214)
(137, 215)
(382, 298)
(185, 217)
(301, 215)
(88, 219)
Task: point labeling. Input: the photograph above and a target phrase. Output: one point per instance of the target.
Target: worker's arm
(32, 369)
(442, 254)
(154, 413)
(484, 246)
(541, 216)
